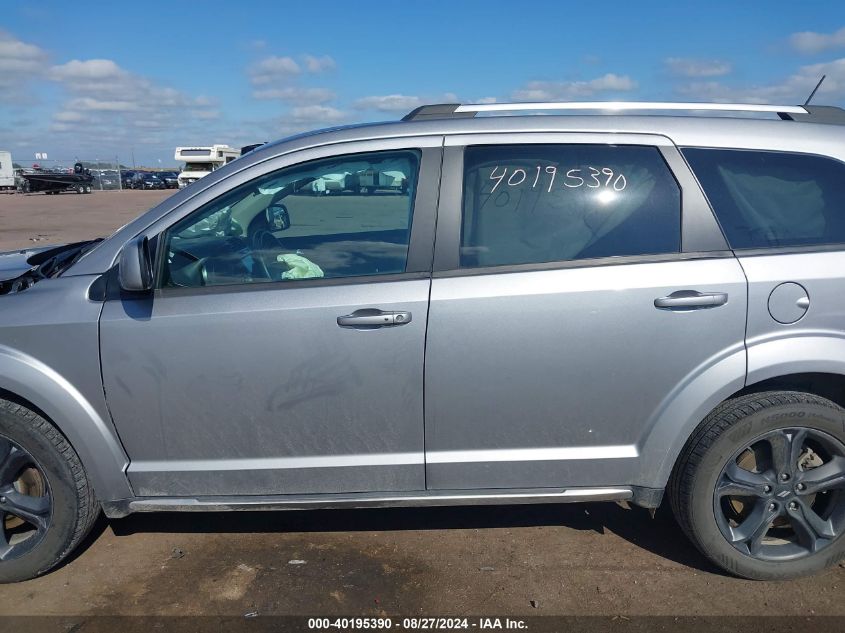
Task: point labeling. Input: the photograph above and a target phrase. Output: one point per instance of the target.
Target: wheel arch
(813, 365)
(37, 387)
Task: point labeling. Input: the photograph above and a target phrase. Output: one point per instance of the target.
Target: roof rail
(819, 114)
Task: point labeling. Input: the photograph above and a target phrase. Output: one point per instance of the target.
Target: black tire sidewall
(709, 538)
(65, 500)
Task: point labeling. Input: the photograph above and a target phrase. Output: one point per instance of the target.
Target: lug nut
(801, 487)
(767, 488)
(772, 507)
(2, 499)
(784, 477)
(793, 505)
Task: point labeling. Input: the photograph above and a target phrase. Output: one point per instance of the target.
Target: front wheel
(760, 487)
(47, 505)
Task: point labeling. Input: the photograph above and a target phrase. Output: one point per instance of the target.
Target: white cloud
(810, 42)
(19, 63)
(317, 114)
(406, 103)
(18, 56)
(107, 104)
(318, 64)
(68, 116)
(275, 69)
(277, 78)
(91, 69)
(272, 69)
(205, 115)
(90, 103)
(390, 103)
(296, 94)
(565, 90)
(794, 88)
(687, 67)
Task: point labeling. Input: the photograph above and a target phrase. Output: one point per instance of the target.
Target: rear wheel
(46, 503)
(760, 487)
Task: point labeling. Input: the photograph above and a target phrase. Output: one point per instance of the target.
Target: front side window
(771, 199)
(546, 203)
(347, 216)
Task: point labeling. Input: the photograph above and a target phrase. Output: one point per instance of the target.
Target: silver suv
(454, 309)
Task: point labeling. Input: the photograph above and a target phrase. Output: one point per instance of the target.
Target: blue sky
(104, 79)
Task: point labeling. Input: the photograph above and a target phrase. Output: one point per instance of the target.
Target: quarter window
(544, 203)
(347, 216)
(772, 199)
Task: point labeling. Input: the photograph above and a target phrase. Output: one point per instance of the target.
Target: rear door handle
(370, 318)
(691, 300)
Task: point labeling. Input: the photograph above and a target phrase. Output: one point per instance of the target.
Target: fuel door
(788, 302)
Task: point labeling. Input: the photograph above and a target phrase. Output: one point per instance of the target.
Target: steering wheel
(263, 242)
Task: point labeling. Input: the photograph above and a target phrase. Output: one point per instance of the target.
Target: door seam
(428, 318)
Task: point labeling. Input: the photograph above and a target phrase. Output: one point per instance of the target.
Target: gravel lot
(37, 219)
(596, 559)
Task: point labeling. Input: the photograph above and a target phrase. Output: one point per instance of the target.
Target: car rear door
(782, 214)
(580, 282)
(225, 382)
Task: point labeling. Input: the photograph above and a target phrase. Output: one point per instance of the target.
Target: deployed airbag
(299, 267)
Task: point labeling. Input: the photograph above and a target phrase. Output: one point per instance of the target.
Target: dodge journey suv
(456, 308)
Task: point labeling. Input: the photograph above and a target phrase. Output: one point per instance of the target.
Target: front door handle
(691, 300)
(370, 318)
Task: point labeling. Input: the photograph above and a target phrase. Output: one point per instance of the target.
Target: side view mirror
(278, 217)
(135, 267)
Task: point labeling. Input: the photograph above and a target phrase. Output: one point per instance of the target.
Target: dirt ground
(37, 219)
(591, 559)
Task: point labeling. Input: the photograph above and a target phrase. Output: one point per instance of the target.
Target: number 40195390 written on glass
(544, 178)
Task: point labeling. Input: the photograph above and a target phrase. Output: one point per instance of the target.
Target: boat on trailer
(53, 182)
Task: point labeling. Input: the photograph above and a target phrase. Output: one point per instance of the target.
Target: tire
(750, 429)
(80, 189)
(73, 507)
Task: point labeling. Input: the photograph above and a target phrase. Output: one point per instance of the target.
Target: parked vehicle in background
(105, 179)
(7, 172)
(147, 180)
(126, 178)
(201, 161)
(169, 178)
(55, 181)
(550, 309)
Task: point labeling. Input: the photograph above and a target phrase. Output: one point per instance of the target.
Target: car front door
(571, 300)
(282, 349)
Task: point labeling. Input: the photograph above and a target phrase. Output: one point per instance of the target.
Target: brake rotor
(30, 482)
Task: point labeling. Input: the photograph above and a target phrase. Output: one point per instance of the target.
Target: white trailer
(7, 172)
(201, 161)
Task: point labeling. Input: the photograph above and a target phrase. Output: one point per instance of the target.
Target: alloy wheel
(26, 506)
(782, 497)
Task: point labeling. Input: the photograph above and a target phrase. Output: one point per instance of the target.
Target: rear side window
(545, 203)
(772, 199)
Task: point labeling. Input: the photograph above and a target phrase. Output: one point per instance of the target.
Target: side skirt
(124, 507)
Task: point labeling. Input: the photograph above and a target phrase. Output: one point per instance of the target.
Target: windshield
(199, 167)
